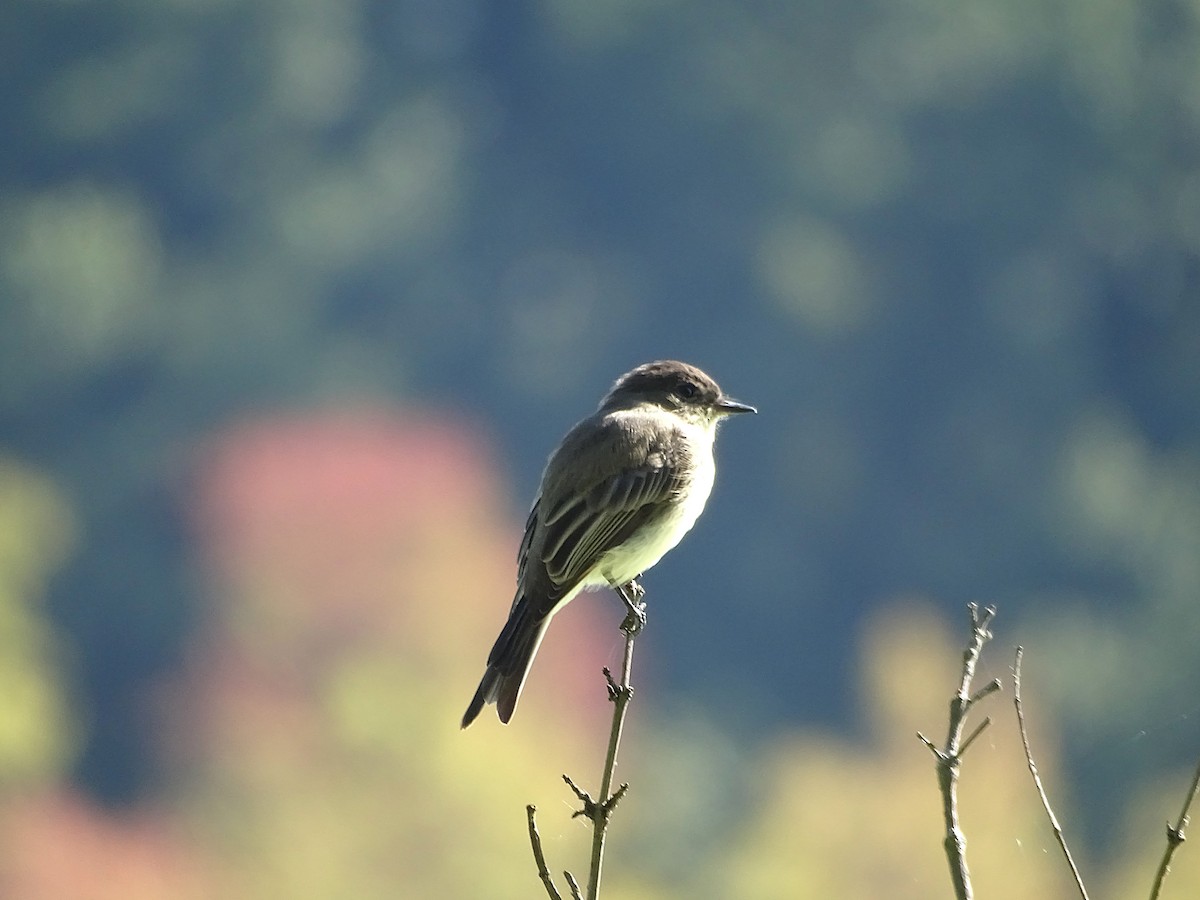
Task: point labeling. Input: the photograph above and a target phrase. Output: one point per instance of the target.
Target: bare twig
(598, 812)
(949, 758)
(1037, 779)
(1175, 836)
(620, 695)
(539, 857)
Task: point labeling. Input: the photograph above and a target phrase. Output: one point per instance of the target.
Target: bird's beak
(727, 406)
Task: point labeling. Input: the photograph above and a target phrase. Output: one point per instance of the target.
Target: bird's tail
(508, 663)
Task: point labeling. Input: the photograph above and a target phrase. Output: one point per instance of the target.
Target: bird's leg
(631, 594)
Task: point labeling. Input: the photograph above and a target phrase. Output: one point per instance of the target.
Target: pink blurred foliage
(322, 538)
(59, 847)
(331, 501)
(328, 530)
(327, 534)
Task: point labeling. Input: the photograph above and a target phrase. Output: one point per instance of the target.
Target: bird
(621, 490)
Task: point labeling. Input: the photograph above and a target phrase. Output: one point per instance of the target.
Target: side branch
(1175, 836)
(1037, 779)
(539, 857)
(949, 757)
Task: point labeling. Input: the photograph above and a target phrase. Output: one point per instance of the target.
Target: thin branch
(949, 757)
(588, 803)
(1037, 779)
(598, 812)
(539, 857)
(620, 694)
(1175, 835)
(974, 734)
(990, 688)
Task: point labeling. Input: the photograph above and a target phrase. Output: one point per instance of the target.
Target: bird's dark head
(675, 386)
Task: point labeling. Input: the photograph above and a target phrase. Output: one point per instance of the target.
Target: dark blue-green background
(950, 250)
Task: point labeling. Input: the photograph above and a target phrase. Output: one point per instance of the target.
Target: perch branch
(620, 694)
(598, 812)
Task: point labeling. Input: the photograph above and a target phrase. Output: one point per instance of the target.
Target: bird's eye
(687, 391)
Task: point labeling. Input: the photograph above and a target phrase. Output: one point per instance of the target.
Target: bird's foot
(631, 595)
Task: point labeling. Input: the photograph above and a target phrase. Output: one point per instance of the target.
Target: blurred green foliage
(37, 735)
(949, 249)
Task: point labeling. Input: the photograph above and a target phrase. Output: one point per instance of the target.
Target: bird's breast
(652, 541)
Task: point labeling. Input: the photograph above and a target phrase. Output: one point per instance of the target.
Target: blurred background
(296, 296)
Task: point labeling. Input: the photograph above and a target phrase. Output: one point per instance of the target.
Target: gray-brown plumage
(623, 488)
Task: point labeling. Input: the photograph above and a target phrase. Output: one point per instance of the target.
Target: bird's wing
(527, 539)
(583, 527)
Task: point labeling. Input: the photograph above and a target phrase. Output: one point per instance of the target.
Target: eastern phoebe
(624, 487)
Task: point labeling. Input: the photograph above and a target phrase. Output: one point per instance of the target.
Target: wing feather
(526, 545)
(579, 533)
